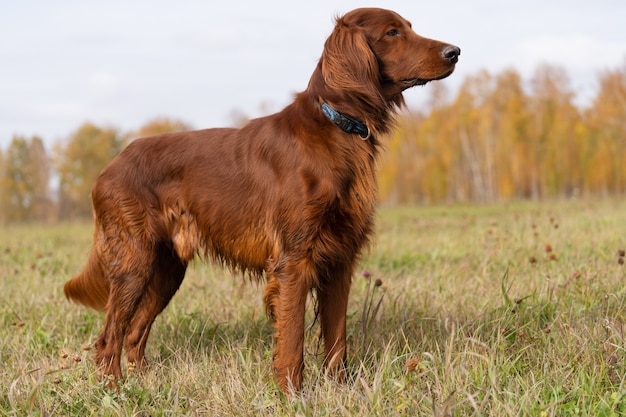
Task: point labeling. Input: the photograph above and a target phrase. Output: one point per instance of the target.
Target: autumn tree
(414, 166)
(400, 165)
(25, 181)
(553, 139)
(474, 136)
(38, 170)
(605, 154)
(78, 163)
(435, 145)
(509, 118)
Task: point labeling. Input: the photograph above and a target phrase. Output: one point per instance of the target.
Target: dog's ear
(348, 62)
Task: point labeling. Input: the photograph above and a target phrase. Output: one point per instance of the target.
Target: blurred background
(535, 110)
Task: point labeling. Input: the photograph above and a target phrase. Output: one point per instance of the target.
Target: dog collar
(346, 123)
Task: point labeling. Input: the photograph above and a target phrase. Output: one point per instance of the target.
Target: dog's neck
(376, 117)
(346, 123)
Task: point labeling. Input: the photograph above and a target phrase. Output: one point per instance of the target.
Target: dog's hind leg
(168, 273)
(128, 279)
(126, 291)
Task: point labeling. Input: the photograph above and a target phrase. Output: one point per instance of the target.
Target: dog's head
(376, 52)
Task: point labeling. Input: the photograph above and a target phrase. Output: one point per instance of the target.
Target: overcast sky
(124, 62)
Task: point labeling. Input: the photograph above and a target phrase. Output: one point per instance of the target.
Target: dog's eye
(393, 33)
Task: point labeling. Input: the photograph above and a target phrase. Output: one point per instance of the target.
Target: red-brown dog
(290, 196)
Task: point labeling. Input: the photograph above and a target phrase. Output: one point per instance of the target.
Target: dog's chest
(339, 208)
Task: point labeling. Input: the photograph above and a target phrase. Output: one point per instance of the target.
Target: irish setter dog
(290, 197)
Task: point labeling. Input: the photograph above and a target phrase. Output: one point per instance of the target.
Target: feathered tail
(89, 287)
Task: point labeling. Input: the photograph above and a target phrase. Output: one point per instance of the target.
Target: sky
(121, 63)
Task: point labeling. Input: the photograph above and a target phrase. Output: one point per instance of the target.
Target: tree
(38, 169)
(473, 110)
(509, 114)
(553, 135)
(79, 162)
(25, 181)
(605, 162)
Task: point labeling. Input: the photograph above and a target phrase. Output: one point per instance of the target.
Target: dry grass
(507, 310)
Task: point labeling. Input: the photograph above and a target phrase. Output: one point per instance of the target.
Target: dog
(289, 198)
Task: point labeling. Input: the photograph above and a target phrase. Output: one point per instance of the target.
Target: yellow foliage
(497, 141)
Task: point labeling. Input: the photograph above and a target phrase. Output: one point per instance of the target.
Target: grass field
(503, 310)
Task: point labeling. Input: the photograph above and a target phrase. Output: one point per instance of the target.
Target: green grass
(472, 318)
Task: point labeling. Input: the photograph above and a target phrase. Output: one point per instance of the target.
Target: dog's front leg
(288, 304)
(332, 296)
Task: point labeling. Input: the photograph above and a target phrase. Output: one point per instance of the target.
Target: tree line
(503, 138)
(39, 185)
(498, 138)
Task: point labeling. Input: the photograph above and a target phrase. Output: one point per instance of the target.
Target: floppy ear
(348, 62)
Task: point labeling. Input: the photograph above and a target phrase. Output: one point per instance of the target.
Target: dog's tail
(90, 287)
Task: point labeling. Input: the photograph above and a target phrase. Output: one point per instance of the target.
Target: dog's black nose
(451, 53)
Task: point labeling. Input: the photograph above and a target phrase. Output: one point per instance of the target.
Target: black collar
(346, 123)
